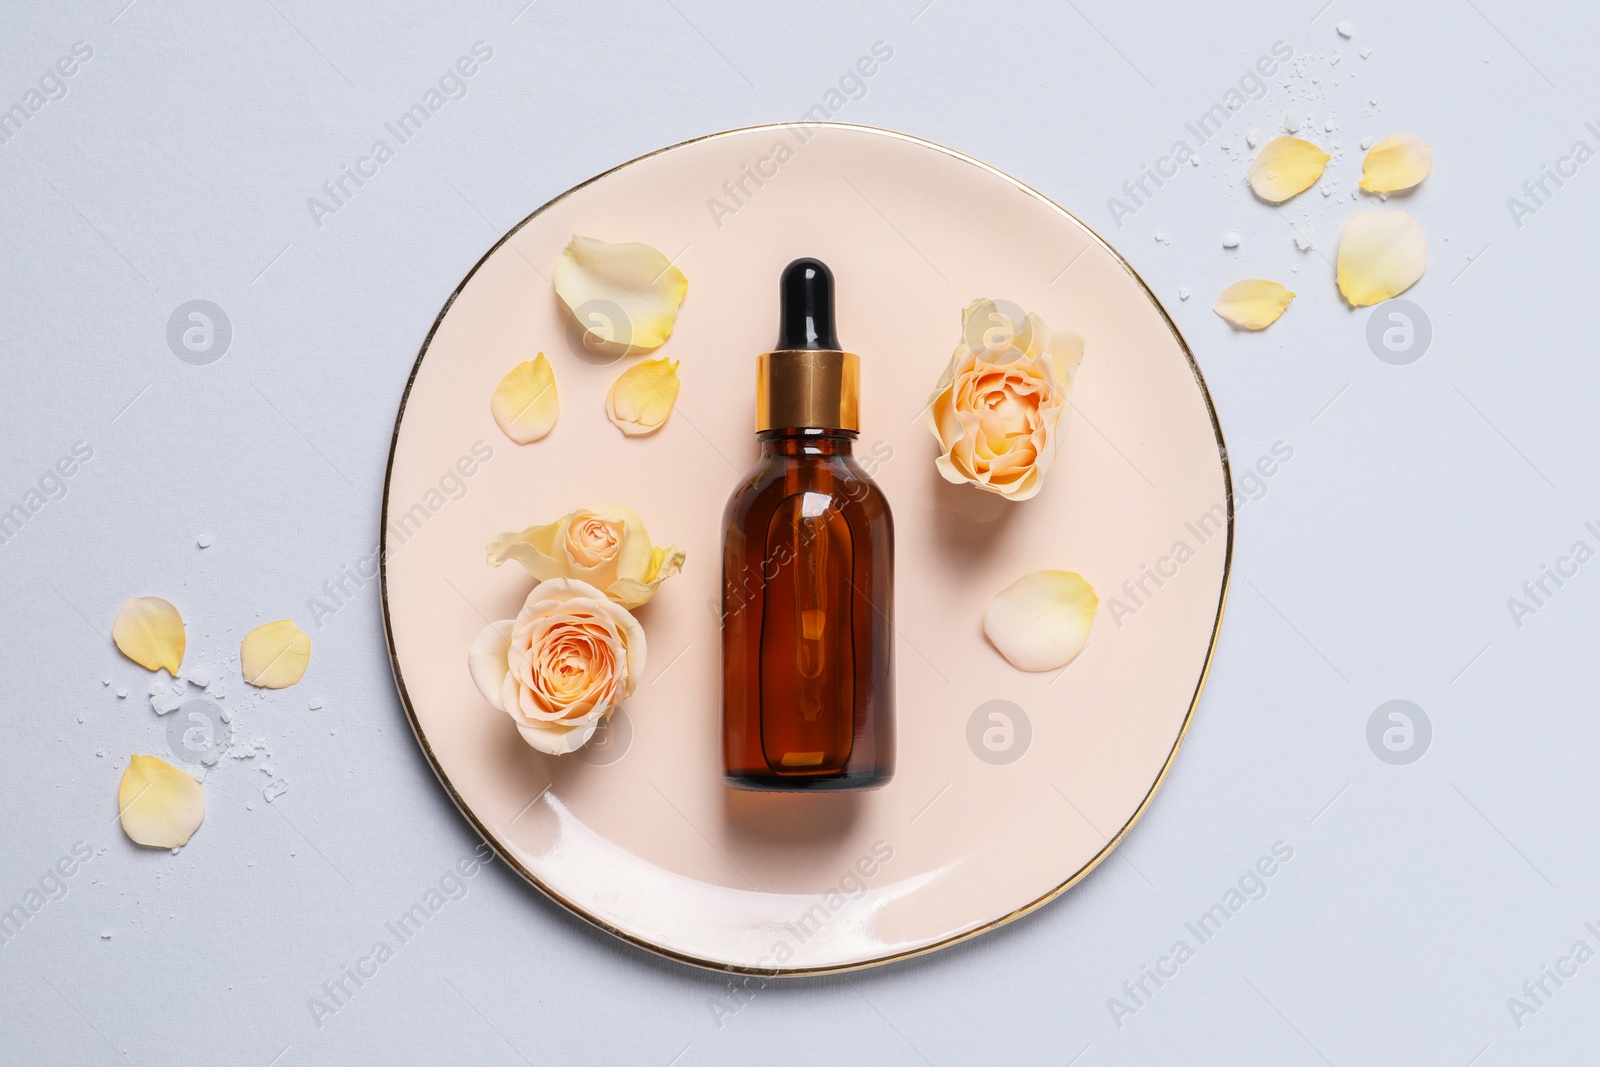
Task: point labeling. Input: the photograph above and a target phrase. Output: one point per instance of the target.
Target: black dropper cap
(806, 299)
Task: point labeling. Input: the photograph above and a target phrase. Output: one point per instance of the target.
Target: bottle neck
(806, 442)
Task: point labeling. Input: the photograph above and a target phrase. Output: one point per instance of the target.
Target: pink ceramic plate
(1010, 786)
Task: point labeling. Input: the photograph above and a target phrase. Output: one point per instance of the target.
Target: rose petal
(1041, 621)
(632, 592)
(1286, 167)
(642, 397)
(161, 806)
(1396, 163)
(1254, 303)
(556, 740)
(624, 295)
(149, 631)
(274, 655)
(488, 660)
(1381, 255)
(525, 403)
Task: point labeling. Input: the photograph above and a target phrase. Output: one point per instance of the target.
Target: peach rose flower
(609, 549)
(998, 408)
(562, 665)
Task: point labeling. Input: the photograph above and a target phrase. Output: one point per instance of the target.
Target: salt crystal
(168, 702)
(199, 676)
(1230, 240)
(1303, 238)
(1291, 122)
(1327, 127)
(105, 935)
(316, 702)
(1365, 52)
(1345, 29)
(204, 540)
(1252, 138)
(105, 681)
(1366, 142)
(1183, 293)
(122, 694)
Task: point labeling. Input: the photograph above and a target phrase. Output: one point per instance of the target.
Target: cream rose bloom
(567, 659)
(998, 408)
(609, 549)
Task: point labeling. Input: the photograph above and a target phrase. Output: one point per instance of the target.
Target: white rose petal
(159, 805)
(1381, 255)
(642, 397)
(1396, 163)
(524, 404)
(1041, 621)
(1286, 167)
(1253, 304)
(274, 655)
(149, 631)
(625, 295)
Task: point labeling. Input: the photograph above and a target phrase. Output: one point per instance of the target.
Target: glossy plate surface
(996, 807)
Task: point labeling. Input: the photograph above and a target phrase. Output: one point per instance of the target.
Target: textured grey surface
(1376, 564)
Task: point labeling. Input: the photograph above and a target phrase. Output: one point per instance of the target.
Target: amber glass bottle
(807, 572)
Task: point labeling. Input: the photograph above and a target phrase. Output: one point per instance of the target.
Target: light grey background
(1375, 565)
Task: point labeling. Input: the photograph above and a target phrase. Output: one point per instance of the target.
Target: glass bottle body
(807, 620)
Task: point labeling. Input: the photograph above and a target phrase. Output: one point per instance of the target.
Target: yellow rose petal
(1286, 167)
(642, 398)
(149, 631)
(1041, 621)
(1396, 163)
(274, 655)
(524, 403)
(625, 295)
(1381, 255)
(1254, 303)
(160, 805)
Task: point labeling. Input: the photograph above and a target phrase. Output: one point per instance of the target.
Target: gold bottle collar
(811, 389)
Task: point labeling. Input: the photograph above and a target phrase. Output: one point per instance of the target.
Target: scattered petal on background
(274, 655)
(1041, 621)
(1286, 167)
(642, 397)
(1381, 255)
(149, 631)
(161, 806)
(1254, 303)
(1396, 163)
(625, 295)
(524, 403)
